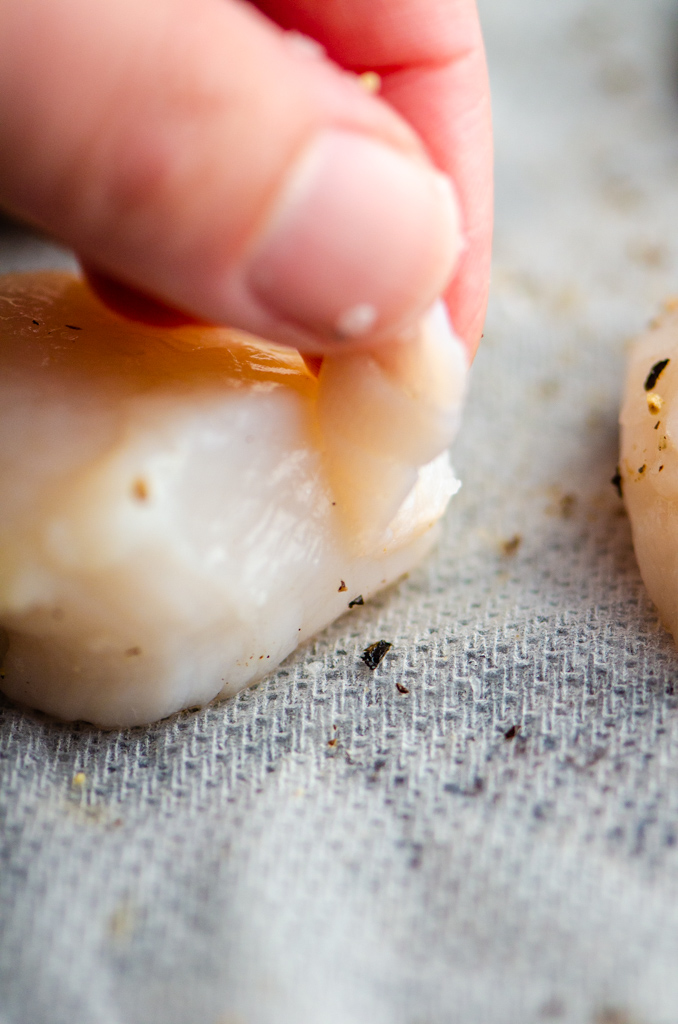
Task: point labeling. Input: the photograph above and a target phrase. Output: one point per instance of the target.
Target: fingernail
(363, 239)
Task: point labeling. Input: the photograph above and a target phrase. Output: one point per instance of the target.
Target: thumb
(193, 150)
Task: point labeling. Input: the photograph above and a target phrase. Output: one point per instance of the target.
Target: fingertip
(360, 242)
(289, 203)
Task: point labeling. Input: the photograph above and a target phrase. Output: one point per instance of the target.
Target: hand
(196, 151)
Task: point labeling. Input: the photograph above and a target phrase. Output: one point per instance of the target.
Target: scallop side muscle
(181, 508)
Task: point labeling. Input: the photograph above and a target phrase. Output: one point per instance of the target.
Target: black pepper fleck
(616, 481)
(655, 373)
(374, 654)
(356, 600)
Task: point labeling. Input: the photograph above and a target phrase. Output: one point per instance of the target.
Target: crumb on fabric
(509, 547)
(567, 504)
(121, 922)
(552, 1008)
(79, 779)
(375, 653)
(562, 504)
(612, 1015)
(401, 688)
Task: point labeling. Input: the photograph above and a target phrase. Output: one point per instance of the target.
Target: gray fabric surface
(230, 866)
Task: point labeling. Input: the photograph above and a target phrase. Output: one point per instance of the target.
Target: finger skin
(153, 138)
(431, 58)
(459, 138)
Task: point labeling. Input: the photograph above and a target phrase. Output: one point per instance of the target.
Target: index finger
(431, 59)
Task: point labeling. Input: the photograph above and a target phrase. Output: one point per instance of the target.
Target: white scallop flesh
(181, 508)
(649, 461)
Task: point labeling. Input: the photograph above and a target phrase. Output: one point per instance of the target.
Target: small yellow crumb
(509, 547)
(370, 81)
(79, 779)
(121, 922)
(654, 402)
(671, 304)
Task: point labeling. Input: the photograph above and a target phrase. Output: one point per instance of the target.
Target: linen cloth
(499, 845)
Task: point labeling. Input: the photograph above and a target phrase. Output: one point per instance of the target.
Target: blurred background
(501, 845)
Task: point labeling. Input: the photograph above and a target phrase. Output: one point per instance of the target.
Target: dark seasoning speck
(655, 373)
(375, 653)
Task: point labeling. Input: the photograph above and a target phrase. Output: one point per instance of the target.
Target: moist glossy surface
(171, 526)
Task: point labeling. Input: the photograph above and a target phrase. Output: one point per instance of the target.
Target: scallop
(181, 508)
(648, 468)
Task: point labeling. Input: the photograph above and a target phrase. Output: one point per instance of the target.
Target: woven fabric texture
(500, 844)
